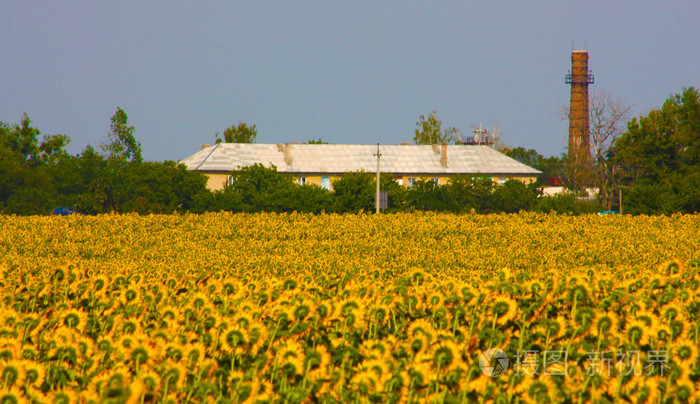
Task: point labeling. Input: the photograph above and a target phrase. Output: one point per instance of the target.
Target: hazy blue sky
(346, 72)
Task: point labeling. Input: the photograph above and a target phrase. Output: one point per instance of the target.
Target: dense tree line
(653, 167)
(38, 175)
(258, 188)
(655, 164)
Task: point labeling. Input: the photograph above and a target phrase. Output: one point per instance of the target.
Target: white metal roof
(340, 158)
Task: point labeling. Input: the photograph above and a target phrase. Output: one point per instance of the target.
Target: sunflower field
(295, 308)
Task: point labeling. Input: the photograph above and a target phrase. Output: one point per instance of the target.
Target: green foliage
(429, 131)
(122, 143)
(241, 133)
(566, 203)
(659, 156)
(429, 196)
(257, 188)
(21, 142)
(319, 141)
(514, 196)
(465, 194)
(355, 192)
(25, 181)
(550, 166)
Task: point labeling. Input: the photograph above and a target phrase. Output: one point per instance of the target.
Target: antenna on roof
(376, 196)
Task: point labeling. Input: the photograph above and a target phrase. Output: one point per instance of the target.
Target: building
(321, 164)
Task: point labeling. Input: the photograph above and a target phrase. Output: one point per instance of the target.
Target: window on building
(230, 180)
(301, 180)
(399, 180)
(502, 180)
(326, 183)
(411, 182)
(436, 180)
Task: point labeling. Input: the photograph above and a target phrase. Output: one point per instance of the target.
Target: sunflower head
(504, 309)
(235, 338)
(636, 332)
(13, 395)
(35, 373)
(12, 373)
(446, 357)
(542, 390)
(687, 353)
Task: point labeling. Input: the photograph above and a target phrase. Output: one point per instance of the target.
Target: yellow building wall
(216, 182)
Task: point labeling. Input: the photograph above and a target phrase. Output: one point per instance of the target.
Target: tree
(550, 166)
(659, 157)
(607, 116)
(428, 131)
(122, 144)
(355, 192)
(258, 188)
(241, 133)
(319, 141)
(514, 196)
(23, 141)
(26, 182)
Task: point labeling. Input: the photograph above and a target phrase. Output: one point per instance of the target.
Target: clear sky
(352, 72)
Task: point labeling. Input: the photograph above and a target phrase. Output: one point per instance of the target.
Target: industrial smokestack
(579, 136)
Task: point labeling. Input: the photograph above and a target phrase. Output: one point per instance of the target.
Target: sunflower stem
(165, 389)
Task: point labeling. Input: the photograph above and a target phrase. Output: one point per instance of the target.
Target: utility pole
(376, 197)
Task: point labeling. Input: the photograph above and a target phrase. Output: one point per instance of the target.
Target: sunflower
(324, 310)
(131, 295)
(99, 285)
(435, 300)
(423, 327)
(418, 344)
(35, 373)
(364, 383)
(685, 389)
(33, 323)
(261, 391)
(380, 314)
(290, 357)
(671, 269)
(686, 351)
(35, 395)
(98, 383)
(73, 318)
(479, 384)
(139, 353)
(636, 332)
(235, 340)
(173, 374)
(12, 395)
(650, 320)
(539, 390)
(12, 373)
(447, 357)
(504, 309)
(662, 335)
(606, 323)
(194, 353)
(62, 397)
(380, 367)
(317, 362)
(151, 380)
(652, 389)
(374, 348)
